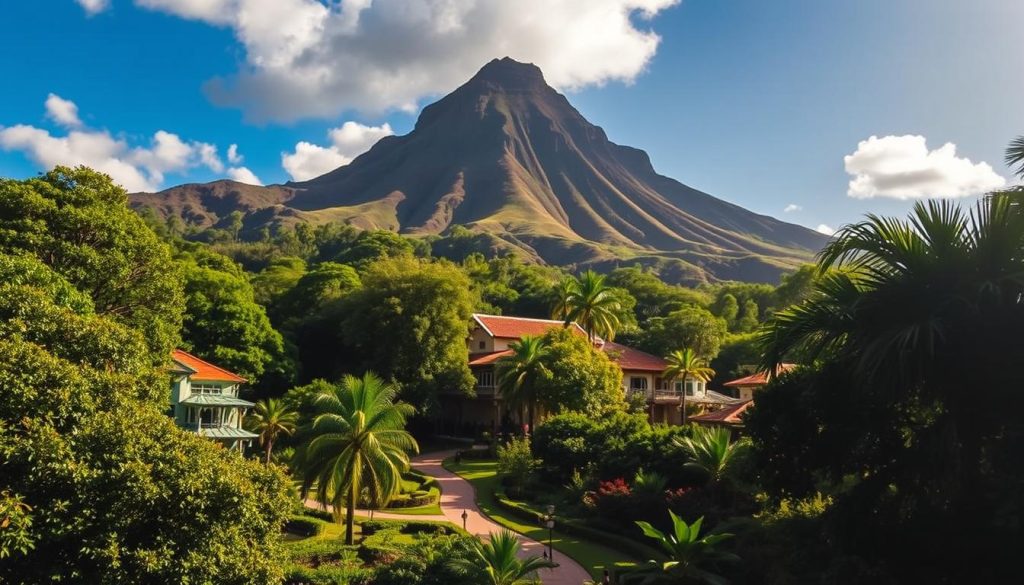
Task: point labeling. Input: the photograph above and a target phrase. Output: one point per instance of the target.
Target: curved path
(457, 495)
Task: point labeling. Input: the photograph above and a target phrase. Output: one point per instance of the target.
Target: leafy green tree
(748, 321)
(498, 562)
(522, 374)
(409, 322)
(683, 365)
(270, 419)
(739, 356)
(713, 449)
(78, 223)
(689, 327)
(116, 492)
(795, 286)
(313, 291)
(358, 441)
(597, 307)
(689, 555)
(224, 324)
(654, 297)
(516, 461)
(728, 308)
(581, 377)
(373, 245)
(271, 283)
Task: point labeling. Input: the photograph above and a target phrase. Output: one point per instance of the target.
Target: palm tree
(591, 303)
(519, 374)
(713, 449)
(357, 440)
(687, 555)
(563, 293)
(912, 308)
(1015, 155)
(497, 562)
(685, 364)
(270, 419)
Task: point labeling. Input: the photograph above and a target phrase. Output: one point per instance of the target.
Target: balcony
(658, 396)
(485, 391)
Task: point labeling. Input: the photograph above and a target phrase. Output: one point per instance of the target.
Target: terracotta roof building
(204, 400)
(747, 385)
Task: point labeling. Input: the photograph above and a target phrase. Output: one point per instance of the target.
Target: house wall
(181, 388)
(479, 341)
(747, 392)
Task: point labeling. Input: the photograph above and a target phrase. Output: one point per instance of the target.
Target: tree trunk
(530, 409)
(350, 515)
(682, 402)
(270, 447)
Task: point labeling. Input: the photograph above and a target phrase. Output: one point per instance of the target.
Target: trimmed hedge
(305, 526)
(318, 514)
(572, 527)
(412, 500)
(371, 527)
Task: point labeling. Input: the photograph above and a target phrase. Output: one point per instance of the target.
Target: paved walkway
(457, 495)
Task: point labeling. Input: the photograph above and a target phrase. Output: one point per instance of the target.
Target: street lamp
(464, 516)
(549, 521)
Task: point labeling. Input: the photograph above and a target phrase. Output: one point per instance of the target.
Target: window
(637, 383)
(690, 385)
(483, 345)
(485, 378)
(207, 389)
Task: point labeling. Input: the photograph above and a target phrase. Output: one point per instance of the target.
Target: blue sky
(754, 101)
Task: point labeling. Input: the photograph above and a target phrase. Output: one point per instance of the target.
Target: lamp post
(549, 521)
(464, 516)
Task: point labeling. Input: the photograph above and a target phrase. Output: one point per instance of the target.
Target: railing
(485, 390)
(215, 425)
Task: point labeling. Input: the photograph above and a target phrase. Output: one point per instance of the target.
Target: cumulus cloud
(902, 167)
(92, 7)
(824, 229)
(62, 111)
(348, 141)
(244, 175)
(137, 168)
(308, 58)
(233, 156)
(792, 207)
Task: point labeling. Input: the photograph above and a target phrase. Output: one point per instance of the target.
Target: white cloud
(233, 156)
(138, 168)
(244, 175)
(92, 7)
(308, 58)
(792, 207)
(902, 167)
(824, 229)
(348, 141)
(62, 111)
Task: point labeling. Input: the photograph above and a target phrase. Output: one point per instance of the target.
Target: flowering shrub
(612, 498)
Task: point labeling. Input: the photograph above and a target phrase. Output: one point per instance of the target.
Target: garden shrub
(327, 575)
(305, 526)
(612, 499)
(516, 462)
(379, 548)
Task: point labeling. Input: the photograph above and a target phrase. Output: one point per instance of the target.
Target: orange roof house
(203, 371)
(748, 384)
(205, 400)
(731, 416)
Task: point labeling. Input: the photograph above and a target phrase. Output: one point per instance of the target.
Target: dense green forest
(306, 302)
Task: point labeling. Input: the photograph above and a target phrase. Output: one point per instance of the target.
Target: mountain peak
(510, 74)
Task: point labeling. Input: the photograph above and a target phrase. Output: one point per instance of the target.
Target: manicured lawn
(484, 477)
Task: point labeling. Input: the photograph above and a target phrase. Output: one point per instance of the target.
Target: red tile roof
(486, 359)
(204, 371)
(633, 359)
(730, 415)
(503, 327)
(760, 378)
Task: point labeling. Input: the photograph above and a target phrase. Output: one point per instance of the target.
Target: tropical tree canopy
(497, 562)
(357, 441)
(911, 400)
(522, 374)
(713, 449)
(1015, 155)
(592, 303)
(270, 419)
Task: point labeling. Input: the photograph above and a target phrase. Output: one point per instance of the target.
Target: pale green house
(204, 400)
